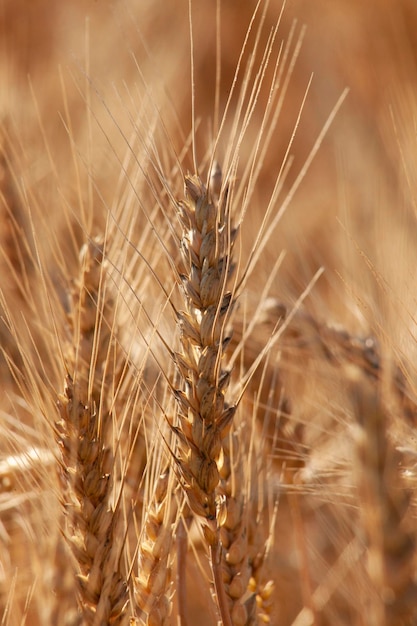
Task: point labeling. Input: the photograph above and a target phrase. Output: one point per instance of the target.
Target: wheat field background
(207, 312)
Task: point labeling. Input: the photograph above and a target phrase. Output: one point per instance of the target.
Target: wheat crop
(207, 313)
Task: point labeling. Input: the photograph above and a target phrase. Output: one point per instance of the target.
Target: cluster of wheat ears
(206, 417)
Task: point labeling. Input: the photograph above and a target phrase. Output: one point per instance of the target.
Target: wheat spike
(204, 416)
(152, 585)
(85, 432)
(384, 503)
(90, 521)
(234, 534)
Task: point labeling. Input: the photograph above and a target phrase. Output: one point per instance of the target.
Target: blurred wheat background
(309, 108)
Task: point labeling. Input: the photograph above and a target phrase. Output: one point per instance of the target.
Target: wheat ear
(88, 463)
(92, 321)
(91, 522)
(234, 535)
(154, 568)
(391, 543)
(204, 416)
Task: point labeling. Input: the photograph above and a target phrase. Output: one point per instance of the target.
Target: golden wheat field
(208, 253)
